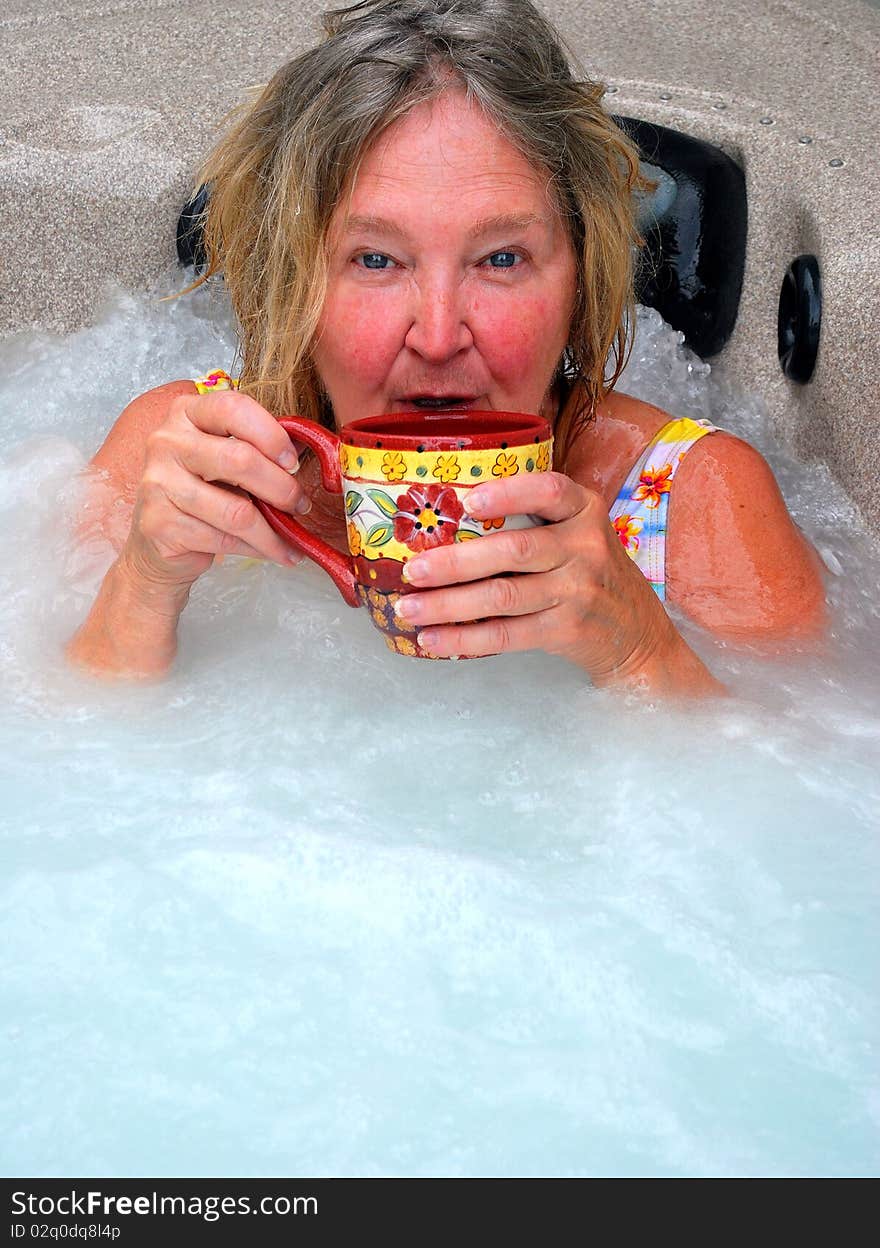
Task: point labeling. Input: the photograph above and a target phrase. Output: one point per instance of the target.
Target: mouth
(439, 402)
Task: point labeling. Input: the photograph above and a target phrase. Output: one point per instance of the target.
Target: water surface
(312, 908)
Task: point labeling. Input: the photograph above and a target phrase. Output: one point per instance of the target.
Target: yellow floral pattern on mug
(447, 469)
(354, 539)
(457, 466)
(505, 465)
(393, 466)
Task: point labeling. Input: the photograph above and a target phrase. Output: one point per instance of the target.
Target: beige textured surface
(106, 107)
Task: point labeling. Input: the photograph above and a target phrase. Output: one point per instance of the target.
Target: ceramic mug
(403, 478)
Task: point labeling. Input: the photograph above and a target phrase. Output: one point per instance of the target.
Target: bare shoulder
(121, 455)
(735, 560)
(605, 451)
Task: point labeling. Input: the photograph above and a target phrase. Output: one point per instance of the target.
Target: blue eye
(375, 260)
(503, 259)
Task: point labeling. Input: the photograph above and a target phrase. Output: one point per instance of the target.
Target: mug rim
(450, 432)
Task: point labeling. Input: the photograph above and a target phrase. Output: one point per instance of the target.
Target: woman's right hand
(189, 462)
(192, 503)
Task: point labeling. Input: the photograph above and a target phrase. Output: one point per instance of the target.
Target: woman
(428, 210)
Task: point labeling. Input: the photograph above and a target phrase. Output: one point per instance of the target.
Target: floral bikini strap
(639, 512)
(217, 380)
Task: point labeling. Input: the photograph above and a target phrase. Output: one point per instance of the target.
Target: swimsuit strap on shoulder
(639, 512)
(217, 380)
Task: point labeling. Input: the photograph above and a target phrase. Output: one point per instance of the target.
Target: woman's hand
(568, 587)
(192, 503)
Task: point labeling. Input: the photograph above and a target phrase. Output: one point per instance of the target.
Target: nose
(439, 327)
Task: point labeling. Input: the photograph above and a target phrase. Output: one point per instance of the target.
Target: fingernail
(473, 503)
(303, 505)
(415, 570)
(289, 460)
(292, 559)
(426, 639)
(408, 608)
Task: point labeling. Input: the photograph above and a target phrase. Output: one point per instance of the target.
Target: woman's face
(452, 276)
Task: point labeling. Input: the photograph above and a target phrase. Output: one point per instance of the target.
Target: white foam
(312, 907)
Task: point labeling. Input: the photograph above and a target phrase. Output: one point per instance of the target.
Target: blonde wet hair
(290, 153)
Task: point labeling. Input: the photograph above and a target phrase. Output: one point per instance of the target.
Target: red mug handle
(326, 446)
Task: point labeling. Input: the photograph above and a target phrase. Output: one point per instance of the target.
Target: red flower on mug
(427, 516)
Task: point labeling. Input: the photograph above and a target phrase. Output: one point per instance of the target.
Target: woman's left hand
(567, 587)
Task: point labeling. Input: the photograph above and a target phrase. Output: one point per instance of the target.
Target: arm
(735, 560)
(120, 458)
(131, 628)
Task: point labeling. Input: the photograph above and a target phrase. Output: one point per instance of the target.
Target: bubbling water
(308, 907)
